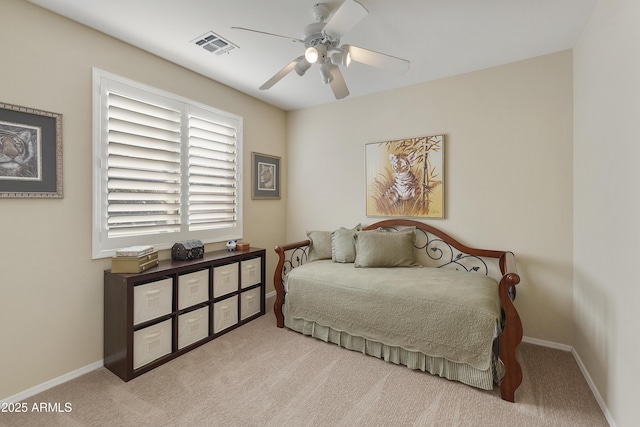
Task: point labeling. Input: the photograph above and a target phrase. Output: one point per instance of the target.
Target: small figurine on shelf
(231, 245)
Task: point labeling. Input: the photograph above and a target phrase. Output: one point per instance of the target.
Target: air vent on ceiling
(214, 43)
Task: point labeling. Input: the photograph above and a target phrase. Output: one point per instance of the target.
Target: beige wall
(607, 205)
(50, 289)
(508, 170)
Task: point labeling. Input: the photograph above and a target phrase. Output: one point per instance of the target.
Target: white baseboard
(269, 301)
(549, 344)
(52, 383)
(583, 369)
(593, 388)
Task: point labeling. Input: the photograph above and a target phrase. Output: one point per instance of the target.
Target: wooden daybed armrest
(511, 334)
(298, 257)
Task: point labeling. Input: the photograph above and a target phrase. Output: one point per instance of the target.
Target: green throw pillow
(321, 242)
(343, 248)
(320, 246)
(385, 249)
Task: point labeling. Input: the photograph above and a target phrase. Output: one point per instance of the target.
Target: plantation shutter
(213, 172)
(143, 161)
(166, 169)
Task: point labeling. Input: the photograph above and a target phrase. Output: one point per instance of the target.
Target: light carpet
(259, 375)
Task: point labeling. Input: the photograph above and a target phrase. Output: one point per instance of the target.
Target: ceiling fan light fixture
(311, 54)
(302, 66)
(325, 72)
(343, 57)
(347, 54)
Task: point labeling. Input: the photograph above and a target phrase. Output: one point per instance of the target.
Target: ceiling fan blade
(280, 74)
(338, 85)
(268, 34)
(345, 18)
(379, 60)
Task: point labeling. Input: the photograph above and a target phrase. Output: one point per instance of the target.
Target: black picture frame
(30, 153)
(265, 177)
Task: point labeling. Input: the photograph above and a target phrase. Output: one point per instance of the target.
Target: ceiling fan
(322, 42)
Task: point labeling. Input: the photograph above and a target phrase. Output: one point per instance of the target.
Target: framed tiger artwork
(405, 177)
(30, 153)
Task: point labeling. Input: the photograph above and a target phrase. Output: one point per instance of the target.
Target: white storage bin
(225, 279)
(193, 327)
(251, 272)
(152, 300)
(249, 303)
(225, 314)
(151, 343)
(193, 288)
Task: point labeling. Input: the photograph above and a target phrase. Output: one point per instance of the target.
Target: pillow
(343, 248)
(385, 249)
(320, 246)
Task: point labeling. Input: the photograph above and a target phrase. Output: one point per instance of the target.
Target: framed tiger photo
(405, 177)
(30, 153)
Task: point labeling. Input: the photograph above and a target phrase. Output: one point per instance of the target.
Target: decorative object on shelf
(134, 263)
(30, 153)
(135, 251)
(405, 177)
(265, 176)
(242, 246)
(189, 249)
(231, 245)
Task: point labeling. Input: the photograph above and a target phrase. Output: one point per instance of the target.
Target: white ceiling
(440, 37)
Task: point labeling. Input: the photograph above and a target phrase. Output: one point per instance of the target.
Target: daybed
(408, 293)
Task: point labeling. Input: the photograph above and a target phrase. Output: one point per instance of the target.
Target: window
(165, 168)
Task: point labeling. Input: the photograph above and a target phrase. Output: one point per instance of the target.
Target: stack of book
(134, 259)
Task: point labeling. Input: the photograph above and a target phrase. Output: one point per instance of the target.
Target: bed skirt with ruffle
(454, 371)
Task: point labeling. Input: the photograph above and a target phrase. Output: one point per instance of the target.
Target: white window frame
(104, 245)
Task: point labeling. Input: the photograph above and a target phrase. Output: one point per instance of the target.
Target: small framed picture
(265, 171)
(30, 153)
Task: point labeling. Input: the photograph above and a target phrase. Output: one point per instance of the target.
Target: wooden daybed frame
(295, 254)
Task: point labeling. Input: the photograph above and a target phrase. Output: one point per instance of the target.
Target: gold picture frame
(405, 177)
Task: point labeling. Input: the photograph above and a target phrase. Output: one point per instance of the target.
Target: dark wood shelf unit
(239, 275)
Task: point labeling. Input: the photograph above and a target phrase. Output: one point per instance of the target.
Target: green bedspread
(441, 313)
